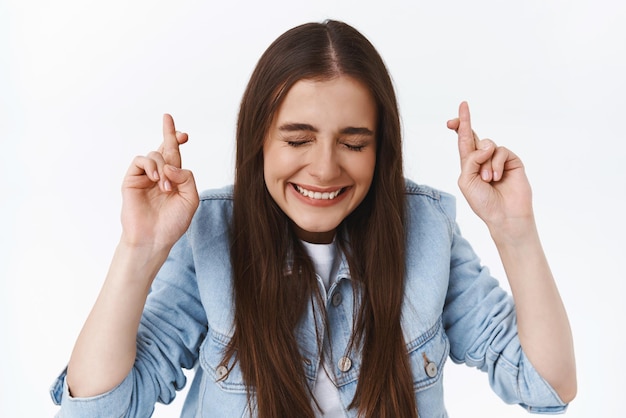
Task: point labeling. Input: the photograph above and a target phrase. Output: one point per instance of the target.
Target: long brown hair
(270, 299)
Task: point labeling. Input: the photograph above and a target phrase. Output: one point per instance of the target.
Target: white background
(83, 86)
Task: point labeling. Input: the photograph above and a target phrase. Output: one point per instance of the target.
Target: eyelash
(299, 143)
(357, 148)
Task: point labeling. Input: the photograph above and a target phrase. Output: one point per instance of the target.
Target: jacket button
(344, 364)
(337, 299)
(221, 372)
(431, 369)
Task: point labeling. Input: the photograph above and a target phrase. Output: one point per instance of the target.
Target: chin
(316, 234)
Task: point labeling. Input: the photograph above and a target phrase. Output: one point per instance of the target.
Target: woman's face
(320, 154)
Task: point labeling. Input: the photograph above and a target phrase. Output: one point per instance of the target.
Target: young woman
(323, 283)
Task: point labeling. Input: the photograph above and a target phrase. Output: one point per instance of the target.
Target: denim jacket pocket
(427, 355)
(223, 392)
(227, 377)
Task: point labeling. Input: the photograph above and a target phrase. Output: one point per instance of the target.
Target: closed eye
(297, 143)
(354, 147)
(357, 142)
(298, 140)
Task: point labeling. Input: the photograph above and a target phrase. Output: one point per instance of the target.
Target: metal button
(344, 364)
(221, 372)
(431, 369)
(337, 299)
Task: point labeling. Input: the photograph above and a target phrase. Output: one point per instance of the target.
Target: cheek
(270, 164)
(279, 164)
(277, 169)
(273, 170)
(364, 168)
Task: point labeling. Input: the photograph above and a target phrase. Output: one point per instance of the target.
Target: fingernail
(155, 175)
(485, 145)
(167, 185)
(485, 175)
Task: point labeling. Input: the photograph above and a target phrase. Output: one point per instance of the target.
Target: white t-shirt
(326, 261)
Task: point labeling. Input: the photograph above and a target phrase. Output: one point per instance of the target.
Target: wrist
(137, 263)
(141, 247)
(514, 231)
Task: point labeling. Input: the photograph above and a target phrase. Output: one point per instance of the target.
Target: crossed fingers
(489, 163)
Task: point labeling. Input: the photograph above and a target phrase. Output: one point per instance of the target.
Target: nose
(324, 164)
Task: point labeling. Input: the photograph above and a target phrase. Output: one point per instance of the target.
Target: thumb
(182, 179)
(479, 161)
(485, 148)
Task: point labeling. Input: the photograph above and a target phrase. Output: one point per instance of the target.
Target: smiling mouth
(318, 195)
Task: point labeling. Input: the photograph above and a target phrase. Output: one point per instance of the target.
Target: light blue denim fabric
(452, 307)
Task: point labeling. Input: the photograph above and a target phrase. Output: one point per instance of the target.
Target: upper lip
(319, 189)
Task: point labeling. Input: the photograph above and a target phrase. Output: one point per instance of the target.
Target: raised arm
(159, 200)
(495, 185)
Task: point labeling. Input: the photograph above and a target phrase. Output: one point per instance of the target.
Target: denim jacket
(452, 307)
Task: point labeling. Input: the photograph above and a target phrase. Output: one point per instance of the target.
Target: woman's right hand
(159, 200)
(159, 197)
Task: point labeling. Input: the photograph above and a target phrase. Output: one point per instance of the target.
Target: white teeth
(318, 195)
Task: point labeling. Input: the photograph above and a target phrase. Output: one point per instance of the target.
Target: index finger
(169, 148)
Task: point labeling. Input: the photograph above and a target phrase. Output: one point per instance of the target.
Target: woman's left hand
(495, 185)
(492, 178)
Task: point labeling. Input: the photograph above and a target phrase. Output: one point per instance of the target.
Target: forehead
(341, 100)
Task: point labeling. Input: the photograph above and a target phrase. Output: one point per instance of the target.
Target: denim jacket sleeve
(171, 330)
(480, 322)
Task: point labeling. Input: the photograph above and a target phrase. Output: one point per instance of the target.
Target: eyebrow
(357, 131)
(350, 130)
(294, 127)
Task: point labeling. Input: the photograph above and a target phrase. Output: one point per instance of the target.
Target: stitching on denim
(425, 337)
